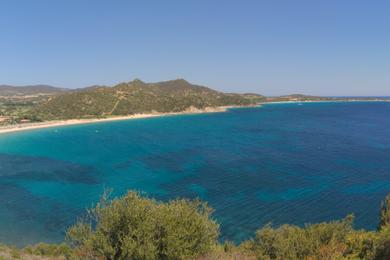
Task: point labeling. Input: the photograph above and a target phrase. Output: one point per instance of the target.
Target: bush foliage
(135, 227)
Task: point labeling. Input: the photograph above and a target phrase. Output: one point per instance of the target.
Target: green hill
(137, 97)
(33, 90)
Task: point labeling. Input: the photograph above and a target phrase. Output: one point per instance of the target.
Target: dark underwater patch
(175, 161)
(44, 169)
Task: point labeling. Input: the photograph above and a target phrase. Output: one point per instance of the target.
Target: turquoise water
(280, 163)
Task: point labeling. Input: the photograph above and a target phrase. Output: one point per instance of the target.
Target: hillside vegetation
(135, 227)
(16, 103)
(33, 90)
(137, 97)
(42, 103)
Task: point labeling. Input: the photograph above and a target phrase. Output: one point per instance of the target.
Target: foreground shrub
(385, 213)
(133, 227)
(361, 244)
(229, 251)
(43, 249)
(383, 244)
(324, 240)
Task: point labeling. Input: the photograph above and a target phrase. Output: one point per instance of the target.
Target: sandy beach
(191, 110)
(58, 123)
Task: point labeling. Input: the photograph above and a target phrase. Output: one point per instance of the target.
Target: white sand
(56, 123)
(191, 110)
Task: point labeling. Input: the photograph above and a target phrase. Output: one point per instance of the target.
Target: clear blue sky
(324, 47)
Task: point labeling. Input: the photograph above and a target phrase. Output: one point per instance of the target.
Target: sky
(275, 47)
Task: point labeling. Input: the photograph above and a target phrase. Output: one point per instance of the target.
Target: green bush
(382, 250)
(385, 213)
(292, 242)
(361, 244)
(133, 227)
(43, 249)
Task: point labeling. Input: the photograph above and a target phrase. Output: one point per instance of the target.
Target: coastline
(189, 111)
(325, 101)
(69, 122)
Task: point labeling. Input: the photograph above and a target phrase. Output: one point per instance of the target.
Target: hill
(137, 97)
(16, 102)
(33, 90)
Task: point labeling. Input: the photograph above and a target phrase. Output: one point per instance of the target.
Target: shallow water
(280, 163)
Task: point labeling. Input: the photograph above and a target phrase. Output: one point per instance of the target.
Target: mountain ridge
(137, 97)
(43, 89)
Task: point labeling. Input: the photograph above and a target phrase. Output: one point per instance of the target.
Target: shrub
(385, 213)
(383, 244)
(361, 244)
(325, 240)
(43, 249)
(133, 227)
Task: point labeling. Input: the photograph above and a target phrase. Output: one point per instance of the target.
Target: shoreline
(70, 122)
(326, 101)
(191, 110)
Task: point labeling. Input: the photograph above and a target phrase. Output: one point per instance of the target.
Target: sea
(295, 163)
